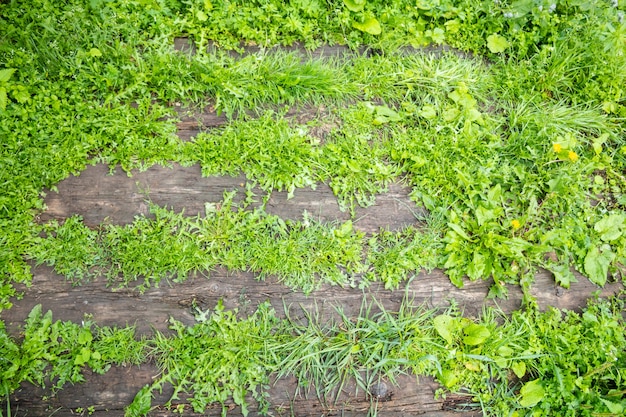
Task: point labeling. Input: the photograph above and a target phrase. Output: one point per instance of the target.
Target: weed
(267, 149)
(54, 352)
(395, 257)
(555, 362)
(219, 357)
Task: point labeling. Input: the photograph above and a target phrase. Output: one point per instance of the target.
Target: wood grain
(115, 390)
(103, 198)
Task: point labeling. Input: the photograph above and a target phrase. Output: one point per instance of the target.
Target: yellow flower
(515, 224)
(572, 156)
(556, 147)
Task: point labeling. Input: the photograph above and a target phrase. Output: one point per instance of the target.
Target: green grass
(302, 254)
(273, 154)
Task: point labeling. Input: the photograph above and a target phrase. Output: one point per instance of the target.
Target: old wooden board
(117, 198)
(116, 389)
(100, 197)
(245, 292)
(186, 45)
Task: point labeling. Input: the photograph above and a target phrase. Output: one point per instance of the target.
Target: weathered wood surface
(117, 199)
(118, 387)
(242, 290)
(192, 121)
(187, 46)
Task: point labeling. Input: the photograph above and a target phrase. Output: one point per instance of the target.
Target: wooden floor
(101, 197)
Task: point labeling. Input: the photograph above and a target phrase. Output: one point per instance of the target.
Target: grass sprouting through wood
(517, 153)
(529, 362)
(303, 254)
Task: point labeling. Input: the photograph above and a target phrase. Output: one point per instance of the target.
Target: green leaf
(369, 25)
(427, 4)
(3, 98)
(483, 215)
(384, 114)
(428, 112)
(450, 114)
(438, 35)
(446, 326)
(522, 7)
(511, 247)
(83, 357)
(475, 334)
(563, 276)
(20, 93)
(453, 26)
(355, 5)
(531, 393)
(449, 378)
(496, 43)
(201, 16)
(34, 315)
(599, 141)
(614, 408)
(462, 97)
(559, 184)
(478, 268)
(519, 369)
(474, 115)
(85, 337)
(589, 317)
(597, 264)
(505, 351)
(608, 107)
(344, 230)
(610, 227)
(141, 404)
(239, 396)
(459, 230)
(94, 52)
(5, 74)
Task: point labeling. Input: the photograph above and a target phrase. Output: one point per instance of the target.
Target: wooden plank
(187, 46)
(192, 121)
(242, 290)
(118, 198)
(116, 390)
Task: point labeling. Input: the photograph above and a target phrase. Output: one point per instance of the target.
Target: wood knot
(380, 391)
